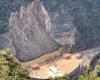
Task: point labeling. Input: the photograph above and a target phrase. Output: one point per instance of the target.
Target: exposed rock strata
(36, 28)
(28, 28)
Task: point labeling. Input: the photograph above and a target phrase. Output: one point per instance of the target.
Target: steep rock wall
(35, 30)
(76, 20)
(28, 31)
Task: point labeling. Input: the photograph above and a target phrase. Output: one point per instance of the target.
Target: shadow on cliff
(86, 19)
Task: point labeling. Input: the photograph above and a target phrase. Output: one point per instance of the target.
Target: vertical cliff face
(37, 27)
(76, 19)
(28, 28)
(62, 30)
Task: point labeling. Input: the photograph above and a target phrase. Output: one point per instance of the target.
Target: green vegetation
(59, 78)
(10, 68)
(91, 74)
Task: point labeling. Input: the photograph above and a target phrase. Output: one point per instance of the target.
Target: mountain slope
(37, 27)
(77, 19)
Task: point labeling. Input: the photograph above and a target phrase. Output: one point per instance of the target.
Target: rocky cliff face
(37, 27)
(76, 20)
(29, 33)
(28, 36)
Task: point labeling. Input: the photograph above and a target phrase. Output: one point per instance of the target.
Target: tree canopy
(10, 67)
(91, 74)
